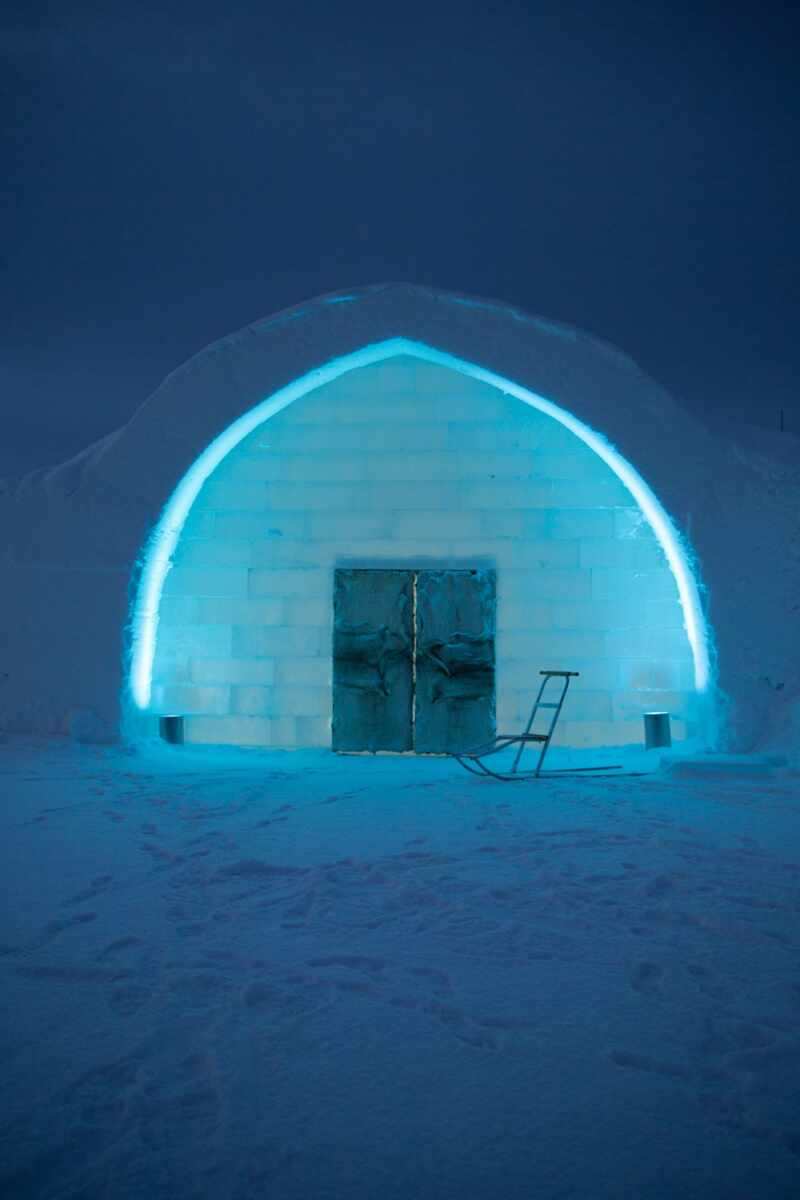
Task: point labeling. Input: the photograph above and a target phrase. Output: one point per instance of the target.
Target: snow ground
(239, 975)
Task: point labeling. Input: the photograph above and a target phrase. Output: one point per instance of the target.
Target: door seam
(414, 577)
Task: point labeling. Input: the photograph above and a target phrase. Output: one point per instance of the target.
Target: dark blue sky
(168, 176)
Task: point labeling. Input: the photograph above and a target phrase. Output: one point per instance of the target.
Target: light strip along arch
(162, 542)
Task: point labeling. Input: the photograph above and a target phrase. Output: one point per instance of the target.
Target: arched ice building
(380, 513)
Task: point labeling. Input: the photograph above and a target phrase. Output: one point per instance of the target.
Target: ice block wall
(408, 463)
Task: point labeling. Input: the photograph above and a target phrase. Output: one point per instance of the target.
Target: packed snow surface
(242, 975)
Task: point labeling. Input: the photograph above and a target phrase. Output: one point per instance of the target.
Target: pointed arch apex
(158, 553)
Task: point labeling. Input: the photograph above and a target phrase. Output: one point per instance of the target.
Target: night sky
(169, 176)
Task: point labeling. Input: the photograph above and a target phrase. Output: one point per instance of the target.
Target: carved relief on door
(413, 659)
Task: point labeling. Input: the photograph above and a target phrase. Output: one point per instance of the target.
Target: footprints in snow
(113, 948)
(646, 978)
(652, 981)
(96, 887)
(160, 855)
(426, 990)
(126, 1001)
(745, 1076)
(642, 1062)
(277, 815)
(75, 973)
(49, 933)
(132, 1098)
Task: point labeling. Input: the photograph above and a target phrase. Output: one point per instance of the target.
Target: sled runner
(473, 760)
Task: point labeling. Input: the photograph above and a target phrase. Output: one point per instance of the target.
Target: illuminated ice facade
(411, 461)
(407, 426)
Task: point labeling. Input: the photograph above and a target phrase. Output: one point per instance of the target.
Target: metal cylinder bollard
(171, 730)
(656, 730)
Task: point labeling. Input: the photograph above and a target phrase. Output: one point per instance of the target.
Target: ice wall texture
(407, 463)
(70, 537)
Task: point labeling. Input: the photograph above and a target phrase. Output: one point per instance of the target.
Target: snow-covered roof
(194, 402)
(201, 397)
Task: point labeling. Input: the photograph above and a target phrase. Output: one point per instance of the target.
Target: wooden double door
(413, 659)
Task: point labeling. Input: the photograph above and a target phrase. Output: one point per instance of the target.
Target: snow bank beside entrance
(755, 502)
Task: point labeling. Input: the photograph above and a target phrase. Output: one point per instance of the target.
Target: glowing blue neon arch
(158, 555)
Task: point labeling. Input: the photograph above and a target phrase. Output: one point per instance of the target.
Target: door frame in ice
(413, 659)
(156, 558)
